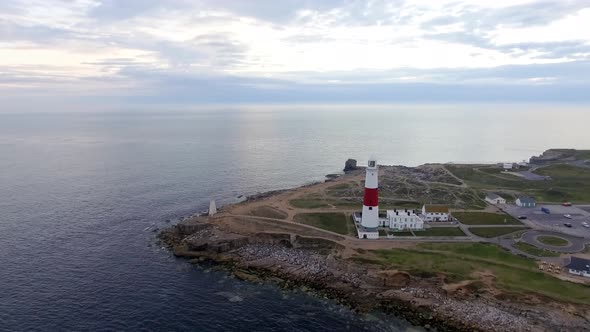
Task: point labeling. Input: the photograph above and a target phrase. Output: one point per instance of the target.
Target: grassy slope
(459, 260)
(530, 249)
(441, 231)
(335, 222)
(304, 203)
(489, 232)
(269, 212)
(569, 183)
(484, 218)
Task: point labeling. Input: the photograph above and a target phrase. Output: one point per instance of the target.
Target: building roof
(436, 208)
(579, 264)
(493, 196)
(526, 199)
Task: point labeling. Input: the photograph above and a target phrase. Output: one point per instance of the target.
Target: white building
(435, 213)
(495, 199)
(367, 233)
(526, 202)
(507, 166)
(403, 220)
(579, 266)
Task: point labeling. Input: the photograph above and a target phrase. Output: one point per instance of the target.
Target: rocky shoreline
(293, 260)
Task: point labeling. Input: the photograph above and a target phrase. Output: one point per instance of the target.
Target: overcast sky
(271, 51)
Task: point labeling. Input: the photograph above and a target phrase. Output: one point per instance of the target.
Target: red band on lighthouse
(371, 197)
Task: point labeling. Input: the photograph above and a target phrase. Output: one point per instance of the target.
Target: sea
(83, 194)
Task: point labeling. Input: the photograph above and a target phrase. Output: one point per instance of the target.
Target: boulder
(350, 165)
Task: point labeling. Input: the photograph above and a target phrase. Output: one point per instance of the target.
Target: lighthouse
(370, 216)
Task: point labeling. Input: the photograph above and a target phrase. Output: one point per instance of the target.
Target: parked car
(521, 217)
(546, 210)
(566, 204)
(567, 224)
(569, 216)
(585, 224)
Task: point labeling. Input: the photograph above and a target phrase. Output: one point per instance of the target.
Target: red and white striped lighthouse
(370, 216)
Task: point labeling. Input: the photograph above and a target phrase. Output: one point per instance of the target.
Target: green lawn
(341, 186)
(440, 231)
(334, 222)
(268, 212)
(489, 232)
(530, 249)
(304, 203)
(458, 261)
(347, 204)
(485, 218)
(568, 183)
(553, 241)
(401, 233)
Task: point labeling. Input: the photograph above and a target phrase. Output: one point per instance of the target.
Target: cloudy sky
(269, 51)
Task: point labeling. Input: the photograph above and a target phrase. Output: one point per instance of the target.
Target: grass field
(484, 218)
(404, 233)
(553, 241)
(346, 204)
(304, 203)
(568, 183)
(334, 222)
(341, 186)
(440, 231)
(268, 212)
(489, 232)
(515, 274)
(530, 249)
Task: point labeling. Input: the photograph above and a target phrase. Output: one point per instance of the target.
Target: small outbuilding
(579, 266)
(435, 213)
(495, 199)
(525, 201)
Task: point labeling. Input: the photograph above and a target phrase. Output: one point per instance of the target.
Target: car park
(554, 221)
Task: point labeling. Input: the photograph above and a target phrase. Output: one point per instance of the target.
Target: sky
(152, 52)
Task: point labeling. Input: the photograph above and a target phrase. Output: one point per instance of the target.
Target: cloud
(206, 50)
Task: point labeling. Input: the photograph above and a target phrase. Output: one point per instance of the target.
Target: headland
(494, 265)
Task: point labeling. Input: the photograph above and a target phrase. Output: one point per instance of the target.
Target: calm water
(77, 192)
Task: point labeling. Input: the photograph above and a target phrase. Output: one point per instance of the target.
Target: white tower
(370, 217)
(212, 207)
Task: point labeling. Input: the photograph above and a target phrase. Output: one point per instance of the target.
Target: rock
(350, 165)
(395, 279)
(246, 276)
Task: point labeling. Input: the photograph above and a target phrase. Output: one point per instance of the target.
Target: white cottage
(403, 219)
(579, 266)
(435, 213)
(495, 199)
(527, 202)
